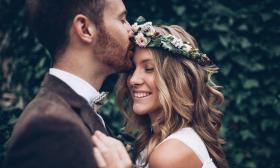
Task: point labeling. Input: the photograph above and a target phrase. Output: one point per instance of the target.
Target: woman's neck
(153, 117)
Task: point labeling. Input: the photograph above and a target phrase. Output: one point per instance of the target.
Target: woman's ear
(84, 28)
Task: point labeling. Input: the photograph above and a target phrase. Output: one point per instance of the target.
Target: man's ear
(84, 28)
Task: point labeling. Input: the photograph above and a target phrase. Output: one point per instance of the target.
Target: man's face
(113, 46)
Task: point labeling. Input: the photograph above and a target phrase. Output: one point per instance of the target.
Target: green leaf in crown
(140, 20)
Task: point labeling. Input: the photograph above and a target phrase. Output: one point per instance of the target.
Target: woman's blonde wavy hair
(187, 95)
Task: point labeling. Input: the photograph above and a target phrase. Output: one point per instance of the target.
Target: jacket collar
(76, 102)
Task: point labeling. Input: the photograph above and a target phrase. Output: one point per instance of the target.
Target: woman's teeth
(141, 94)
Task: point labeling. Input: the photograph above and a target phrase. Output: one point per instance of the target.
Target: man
(88, 40)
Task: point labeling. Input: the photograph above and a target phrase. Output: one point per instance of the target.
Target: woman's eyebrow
(146, 60)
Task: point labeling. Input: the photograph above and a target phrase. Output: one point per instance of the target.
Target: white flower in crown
(141, 40)
(148, 29)
(146, 26)
(187, 47)
(135, 27)
(177, 42)
(150, 32)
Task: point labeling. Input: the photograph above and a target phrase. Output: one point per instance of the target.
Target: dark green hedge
(242, 37)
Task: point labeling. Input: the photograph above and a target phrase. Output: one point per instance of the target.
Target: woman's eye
(149, 69)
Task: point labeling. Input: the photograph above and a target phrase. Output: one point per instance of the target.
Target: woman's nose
(135, 79)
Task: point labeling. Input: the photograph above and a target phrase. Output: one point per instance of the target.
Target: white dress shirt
(80, 86)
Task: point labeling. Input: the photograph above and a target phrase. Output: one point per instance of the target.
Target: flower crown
(146, 36)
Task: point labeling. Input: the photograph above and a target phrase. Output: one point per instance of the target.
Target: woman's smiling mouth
(141, 94)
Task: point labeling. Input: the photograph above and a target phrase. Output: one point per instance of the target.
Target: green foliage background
(242, 37)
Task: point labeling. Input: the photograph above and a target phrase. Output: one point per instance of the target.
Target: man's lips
(130, 54)
(131, 48)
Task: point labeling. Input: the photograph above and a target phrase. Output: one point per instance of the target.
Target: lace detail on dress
(141, 160)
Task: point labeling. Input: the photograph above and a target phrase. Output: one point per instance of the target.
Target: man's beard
(111, 52)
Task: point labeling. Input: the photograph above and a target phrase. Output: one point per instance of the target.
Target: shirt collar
(80, 86)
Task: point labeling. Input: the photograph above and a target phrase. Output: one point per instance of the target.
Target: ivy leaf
(225, 40)
(250, 83)
(247, 134)
(221, 27)
(243, 27)
(179, 10)
(141, 20)
(245, 43)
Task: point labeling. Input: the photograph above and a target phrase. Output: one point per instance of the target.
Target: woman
(171, 100)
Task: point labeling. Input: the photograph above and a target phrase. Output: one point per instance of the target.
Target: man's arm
(49, 142)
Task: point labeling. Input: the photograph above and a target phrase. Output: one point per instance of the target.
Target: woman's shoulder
(174, 153)
(190, 138)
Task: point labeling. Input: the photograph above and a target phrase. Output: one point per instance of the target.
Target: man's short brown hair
(50, 19)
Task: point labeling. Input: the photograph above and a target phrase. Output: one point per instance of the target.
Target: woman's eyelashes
(149, 68)
(143, 68)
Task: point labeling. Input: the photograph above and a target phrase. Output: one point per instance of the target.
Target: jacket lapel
(77, 103)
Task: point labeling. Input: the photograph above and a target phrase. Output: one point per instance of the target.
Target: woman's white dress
(191, 139)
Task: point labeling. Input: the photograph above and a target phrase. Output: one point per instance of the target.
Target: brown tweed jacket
(54, 130)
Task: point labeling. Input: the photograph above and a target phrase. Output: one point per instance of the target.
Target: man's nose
(129, 29)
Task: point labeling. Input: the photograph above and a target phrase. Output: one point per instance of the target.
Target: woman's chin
(139, 110)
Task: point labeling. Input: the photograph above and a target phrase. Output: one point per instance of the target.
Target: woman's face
(142, 84)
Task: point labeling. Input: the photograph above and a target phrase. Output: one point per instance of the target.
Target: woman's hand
(109, 152)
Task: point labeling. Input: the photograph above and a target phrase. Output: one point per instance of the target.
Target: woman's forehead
(142, 55)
